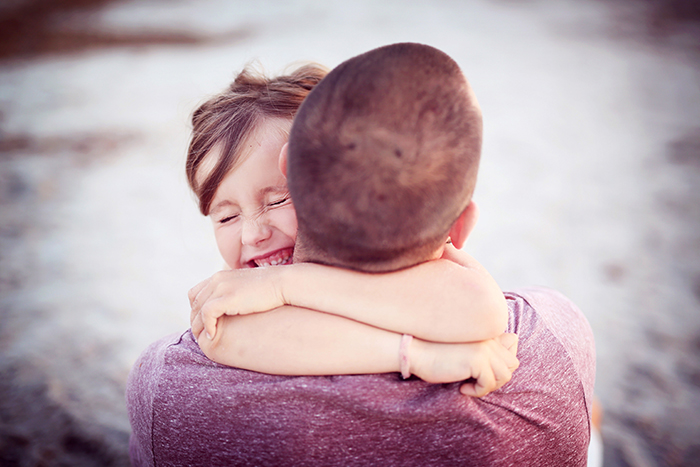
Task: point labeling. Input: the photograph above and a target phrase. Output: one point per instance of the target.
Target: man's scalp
(383, 156)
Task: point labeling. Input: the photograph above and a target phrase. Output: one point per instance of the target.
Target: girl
(364, 322)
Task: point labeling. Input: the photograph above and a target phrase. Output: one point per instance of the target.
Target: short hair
(228, 118)
(383, 158)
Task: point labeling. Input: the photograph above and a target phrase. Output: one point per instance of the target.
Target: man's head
(383, 158)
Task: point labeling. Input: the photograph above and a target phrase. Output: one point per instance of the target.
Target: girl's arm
(448, 300)
(297, 341)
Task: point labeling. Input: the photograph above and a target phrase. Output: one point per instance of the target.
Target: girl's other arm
(440, 300)
(297, 341)
(453, 299)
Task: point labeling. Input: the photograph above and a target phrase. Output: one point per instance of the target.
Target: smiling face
(251, 212)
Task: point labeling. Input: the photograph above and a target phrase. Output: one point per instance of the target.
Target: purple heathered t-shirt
(187, 410)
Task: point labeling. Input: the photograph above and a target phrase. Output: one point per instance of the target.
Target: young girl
(363, 323)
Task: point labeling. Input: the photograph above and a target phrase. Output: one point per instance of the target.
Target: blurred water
(588, 184)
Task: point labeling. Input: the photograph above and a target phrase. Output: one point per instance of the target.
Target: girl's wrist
(297, 285)
(404, 356)
(284, 283)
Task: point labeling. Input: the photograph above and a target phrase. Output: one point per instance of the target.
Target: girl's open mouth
(277, 258)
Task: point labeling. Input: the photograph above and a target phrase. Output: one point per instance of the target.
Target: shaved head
(383, 158)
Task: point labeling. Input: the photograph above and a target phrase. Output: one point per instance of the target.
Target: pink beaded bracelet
(405, 364)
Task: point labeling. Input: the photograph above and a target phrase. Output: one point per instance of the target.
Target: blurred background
(590, 184)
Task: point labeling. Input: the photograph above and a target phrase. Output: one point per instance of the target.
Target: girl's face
(252, 214)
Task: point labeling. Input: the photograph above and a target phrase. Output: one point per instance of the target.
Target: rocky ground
(589, 184)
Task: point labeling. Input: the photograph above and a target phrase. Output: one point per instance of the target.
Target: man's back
(187, 410)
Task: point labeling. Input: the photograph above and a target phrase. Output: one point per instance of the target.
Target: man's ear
(283, 160)
(464, 225)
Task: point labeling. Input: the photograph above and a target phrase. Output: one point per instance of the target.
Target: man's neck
(305, 254)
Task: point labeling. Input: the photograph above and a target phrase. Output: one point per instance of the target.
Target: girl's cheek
(229, 248)
(290, 222)
(284, 221)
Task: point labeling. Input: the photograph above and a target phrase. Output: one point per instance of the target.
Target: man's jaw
(274, 258)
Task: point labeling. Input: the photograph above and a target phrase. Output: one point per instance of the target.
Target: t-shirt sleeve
(553, 387)
(141, 389)
(570, 326)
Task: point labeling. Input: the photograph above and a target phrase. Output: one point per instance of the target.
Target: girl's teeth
(273, 262)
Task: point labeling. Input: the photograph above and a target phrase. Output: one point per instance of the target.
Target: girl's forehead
(269, 127)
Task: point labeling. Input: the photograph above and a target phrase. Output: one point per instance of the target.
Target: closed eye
(227, 218)
(280, 202)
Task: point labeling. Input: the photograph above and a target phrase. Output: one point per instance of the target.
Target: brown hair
(383, 158)
(229, 117)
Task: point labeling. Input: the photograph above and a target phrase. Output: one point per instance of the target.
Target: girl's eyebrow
(263, 191)
(274, 189)
(221, 204)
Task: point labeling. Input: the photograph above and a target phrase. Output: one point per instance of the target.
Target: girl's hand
(234, 292)
(490, 363)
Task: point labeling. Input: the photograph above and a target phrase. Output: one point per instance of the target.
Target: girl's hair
(228, 118)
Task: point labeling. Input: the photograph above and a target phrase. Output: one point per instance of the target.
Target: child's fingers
(193, 314)
(509, 341)
(209, 318)
(467, 389)
(194, 291)
(485, 382)
(210, 288)
(477, 388)
(509, 344)
(512, 362)
(506, 352)
(197, 325)
(502, 373)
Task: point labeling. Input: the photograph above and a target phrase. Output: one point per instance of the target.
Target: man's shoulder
(536, 309)
(553, 306)
(154, 358)
(173, 381)
(176, 357)
(151, 362)
(141, 392)
(160, 347)
(556, 346)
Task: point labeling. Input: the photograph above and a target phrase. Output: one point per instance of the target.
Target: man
(382, 162)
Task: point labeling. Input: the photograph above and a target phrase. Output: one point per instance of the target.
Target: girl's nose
(254, 232)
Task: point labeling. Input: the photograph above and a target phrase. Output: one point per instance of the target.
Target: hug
(348, 326)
